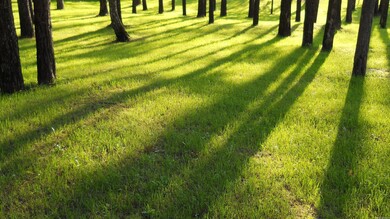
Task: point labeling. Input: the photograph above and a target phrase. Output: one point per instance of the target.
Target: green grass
(196, 120)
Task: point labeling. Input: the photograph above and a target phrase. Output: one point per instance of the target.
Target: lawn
(195, 120)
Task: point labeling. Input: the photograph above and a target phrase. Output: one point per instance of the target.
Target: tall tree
(60, 4)
(223, 8)
(26, 23)
(330, 26)
(272, 6)
(298, 12)
(184, 4)
(31, 8)
(201, 8)
(211, 11)
(256, 11)
(350, 6)
(285, 18)
(250, 8)
(160, 6)
(134, 7)
(44, 42)
(316, 7)
(144, 5)
(173, 5)
(363, 40)
(308, 24)
(376, 8)
(103, 8)
(118, 9)
(337, 14)
(11, 78)
(116, 22)
(384, 12)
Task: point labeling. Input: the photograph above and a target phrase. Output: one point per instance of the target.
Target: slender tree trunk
(363, 40)
(26, 23)
(330, 26)
(215, 4)
(173, 5)
(376, 8)
(337, 17)
(11, 79)
(256, 11)
(31, 8)
(184, 4)
(134, 7)
(60, 4)
(285, 18)
(103, 8)
(348, 18)
(201, 8)
(144, 5)
(298, 12)
(272, 6)
(308, 24)
(316, 7)
(223, 8)
(354, 5)
(116, 23)
(160, 6)
(251, 8)
(44, 41)
(211, 11)
(384, 13)
(118, 9)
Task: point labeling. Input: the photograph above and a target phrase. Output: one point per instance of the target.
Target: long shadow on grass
(339, 179)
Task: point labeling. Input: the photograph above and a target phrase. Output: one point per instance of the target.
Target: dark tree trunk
(348, 18)
(31, 8)
(201, 8)
(256, 11)
(173, 5)
(160, 6)
(298, 12)
(316, 6)
(44, 40)
(354, 5)
(308, 24)
(119, 9)
(272, 6)
(363, 40)
(11, 78)
(134, 7)
(184, 4)
(116, 23)
(144, 5)
(384, 13)
(215, 4)
(250, 9)
(330, 26)
(211, 11)
(103, 8)
(376, 8)
(26, 23)
(337, 17)
(285, 18)
(223, 8)
(60, 4)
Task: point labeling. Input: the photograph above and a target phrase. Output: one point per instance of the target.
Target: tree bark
(272, 6)
(316, 7)
(184, 4)
(250, 9)
(308, 24)
(330, 26)
(31, 8)
(173, 5)
(348, 18)
(60, 4)
(160, 6)
(144, 5)
(116, 23)
(119, 10)
(211, 11)
(337, 17)
(298, 12)
(384, 13)
(223, 8)
(285, 18)
(201, 8)
(26, 23)
(103, 8)
(134, 7)
(256, 11)
(44, 42)
(354, 5)
(363, 40)
(11, 79)
(376, 8)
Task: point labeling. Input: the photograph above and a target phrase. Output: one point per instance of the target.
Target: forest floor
(195, 120)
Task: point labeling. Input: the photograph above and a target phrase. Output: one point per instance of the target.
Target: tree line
(35, 21)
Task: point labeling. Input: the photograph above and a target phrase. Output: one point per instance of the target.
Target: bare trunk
(250, 9)
(160, 6)
(223, 8)
(256, 11)
(184, 3)
(285, 18)
(330, 26)
(60, 4)
(103, 8)
(211, 11)
(384, 13)
(298, 12)
(348, 18)
(26, 23)
(116, 22)
(308, 24)
(144, 5)
(201, 8)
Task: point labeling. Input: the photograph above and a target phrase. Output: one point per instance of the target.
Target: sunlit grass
(197, 120)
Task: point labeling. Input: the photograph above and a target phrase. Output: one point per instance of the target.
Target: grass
(196, 120)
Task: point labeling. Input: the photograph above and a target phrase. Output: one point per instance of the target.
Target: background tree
(26, 23)
(201, 8)
(103, 8)
(250, 8)
(44, 42)
(298, 12)
(60, 4)
(211, 11)
(173, 5)
(116, 22)
(384, 13)
(223, 8)
(134, 7)
(330, 26)
(184, 4)
(337, 14)
(11, 78)
(376, 8)
(256, 11)
(160, 6)
(363, 40)
(144, 5)
(350, 6)
(308, 24)
(316, 6)
(285, 18)
(272, 6)
(31, 8)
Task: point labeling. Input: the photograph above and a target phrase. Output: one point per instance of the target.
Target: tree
(116, 22)
(173, 5)
(118, 9)
(363, 40)
(256, 11)
(184, 3)
(144, 5)
(284, 18)
(298, 13)
(223, 8)
(272, 6)
(160, 6)
(350, 7)
(30, 3)
(44, 42)
(384, 12)
(317, 5)
(26, 23)
(11, 79)
(337, 14)
(211, 11)
(330, 26)
(308, 24)
(376, 8)
(201, 8)
(60, 4)
(134, 7)
(250, 9)
(103, 8)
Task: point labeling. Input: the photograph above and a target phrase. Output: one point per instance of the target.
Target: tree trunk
(173, 5)
(354, 5)
(337, 17)
(308, 24)
(160, 6)
(26, 23)
(376, 8)
(44, 41)
(384, 13)
(256, 11)
(144, 5)
(348, 18)
(272, 6)
(103, 8)
(60, 4)
(285, 18)
(134, 7)
(330, 26)
(119, 10)
(250, 9)
(116, 23)
(184, 4)
(201, 8)
(31, 8)
(316, 6)
(363, 40)
(298, 12)
(211, 11)
(11, 79)
(223, 8)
